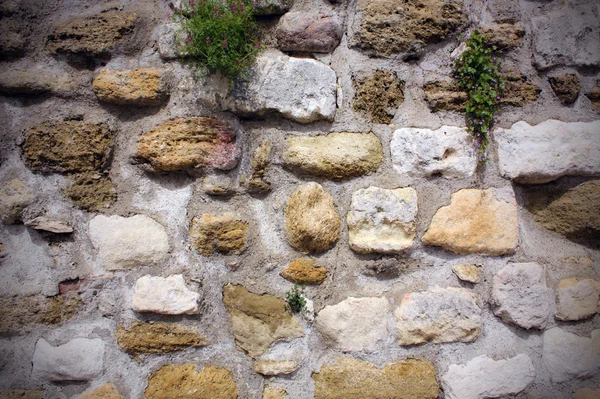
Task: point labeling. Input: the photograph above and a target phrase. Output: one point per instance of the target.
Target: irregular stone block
(164, 295)
(189, 143)
(318, 31)
(67, 147)
(304, 271)
(80, 359)
(275, 367)
(354, 324)
(183, 382)
(335, 156)
(14, 198)
(271, 392)
(260, 166)
(505, 37)
(106, 391)
(157, 338)
(568, 356)
(483, 377)
(222, 233)
(91, 191)
(508, 11)
(566, 87)
(218, 185)
(311, 97)
(311, 221)
(577, 299)
(272, 7)
(348, 378)
(467, 272)
(520, 295)
(518, 91)
(594, 96)
(586, 393)
(447, 151)
(382, 221)
(476, 221)
(378, 95)
(22, 394)
(138, 87)
(542, 153)
(437, 316)
(445, 96)
(46, 224)
(35, 81)
(124, 243)
(167, 41)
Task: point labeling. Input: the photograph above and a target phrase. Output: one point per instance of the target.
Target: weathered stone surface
(311, 221)
(221, 233)
(218, 185)
(183, 382)
(272, 7)
(383, 28)
(354, 324)
(304, 271)
(335, 156)
(566, 87)
(508, 11)
(271, 392)
(13, 39)
(476, 221)
(483, 377)
(46, 224)
(378, 95)
(310, 98)
(34, 81)
(157, 338)
(275, 367)
(568, 356)
(125, 243)
(445, 96)
(468, 272)
(439, 315)
(314, 30)
(22, 394)
(586, 393)
(594, 96)
(81, 359)
(258, 320)
(135, 87)
(91, 36)
(91, 191)
(542, 153)
(348, 378)
(382, 221)
(520, 295)
(260, 166)
(164, 295)
(189, 143)
(518, 91)
(167, 41)
(67, 147)
(447, 151)
(106, 391)
(14, 198)
(505, 37)
(577, 299)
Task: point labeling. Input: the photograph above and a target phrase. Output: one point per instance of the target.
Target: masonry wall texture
(154, 216)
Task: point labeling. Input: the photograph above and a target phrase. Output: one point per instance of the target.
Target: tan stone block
(157, 338)
(137, 87)
(218, 233)
(183, 382)
(304, 271)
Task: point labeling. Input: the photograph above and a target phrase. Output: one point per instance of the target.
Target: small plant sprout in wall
(296, 302)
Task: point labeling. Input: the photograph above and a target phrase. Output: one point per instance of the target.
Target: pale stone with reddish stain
(136, 87)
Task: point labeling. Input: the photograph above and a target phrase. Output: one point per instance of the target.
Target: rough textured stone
(447, 151)
(189, 143)
(439, 315)
(125, 243)
(14, 198)
(518, 91)
(91, 36)
(378, 95)
(46, 224)
(136, 87)
(566, 87)
(335, 156)
(594, 96)
(542, 153)
(520, 295)
(35, 81)
(577, 299)
(445, 96)
(260, 166)
(157, 338)
(22, 394)
(483, 377)
(508, 11)
(218, 185)
(275, 367)
(258, 320)
(91, 191)
(317, 31)
(476, 221)
(384, 28)
(304, 271)
(310, 98)
(505, 37)
(272, 7)
(106, 391)
(568, 356)
(183, 382)
(81, 359)
(468, 272)
(270, 392)
(67, 147)
(164, 295)
(354, 324)
(348, 378)
(311, 221)
(221, 233)
(382, 221)
(167, 41)
(586, 393)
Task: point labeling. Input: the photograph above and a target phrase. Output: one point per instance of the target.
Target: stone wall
(154, 217)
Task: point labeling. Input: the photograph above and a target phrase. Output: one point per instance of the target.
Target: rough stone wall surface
(152, 223)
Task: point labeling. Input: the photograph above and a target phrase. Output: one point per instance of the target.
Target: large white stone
(300, 89)
(164, 295)
(355, 323)
(483, 378)
(424, 152)
(542, 153)
(577, 299)
(124, 243)
(78, 360)
(382, 221)
(568, 356)
(521, 296)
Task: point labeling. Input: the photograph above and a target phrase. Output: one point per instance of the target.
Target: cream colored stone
(14, 197)
(164, 295)
(271, 392)
(577, 299)
(275, 367)
(468, 272)
(106, 391)
(136, 87)
(183, 382)
(586, 393)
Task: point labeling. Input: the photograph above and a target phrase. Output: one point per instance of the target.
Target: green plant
(477, 71)
(295, 299)
(220, 34)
